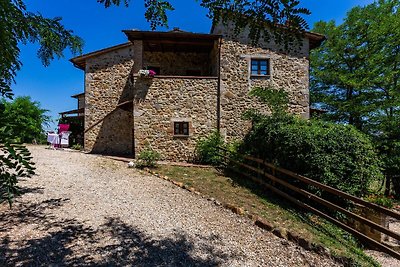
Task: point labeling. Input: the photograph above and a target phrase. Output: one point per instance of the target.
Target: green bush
(147, 158)
(77, 147)
(207, 151)
(381, 200)
(335, 155)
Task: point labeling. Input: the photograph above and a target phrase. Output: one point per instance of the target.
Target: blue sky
(99, 28)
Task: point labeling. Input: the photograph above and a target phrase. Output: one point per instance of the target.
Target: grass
(258, 201)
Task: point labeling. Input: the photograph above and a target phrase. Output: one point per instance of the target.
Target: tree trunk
(396, 186)
(387, 185)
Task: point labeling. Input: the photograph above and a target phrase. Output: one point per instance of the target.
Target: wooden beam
(182, 42)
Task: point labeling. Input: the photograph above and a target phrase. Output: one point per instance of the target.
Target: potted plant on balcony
(146, 73)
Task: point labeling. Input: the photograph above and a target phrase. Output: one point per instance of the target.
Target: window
(181, 128)
(260, 67)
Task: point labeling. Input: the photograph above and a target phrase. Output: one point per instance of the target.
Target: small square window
(181, 128)
(260, 67)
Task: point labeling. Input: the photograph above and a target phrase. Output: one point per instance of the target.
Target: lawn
(228, 188)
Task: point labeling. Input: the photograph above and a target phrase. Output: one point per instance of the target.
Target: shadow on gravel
(32, 213)
(133, 247)
(49, 240)
(34, 190)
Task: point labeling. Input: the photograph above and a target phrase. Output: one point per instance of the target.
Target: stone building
(201, 84)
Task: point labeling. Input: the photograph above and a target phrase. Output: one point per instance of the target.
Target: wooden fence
(267, 175)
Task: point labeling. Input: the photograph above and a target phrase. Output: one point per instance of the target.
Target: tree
(335, 74)
(355, 76)
(19, 26)
(25, 119)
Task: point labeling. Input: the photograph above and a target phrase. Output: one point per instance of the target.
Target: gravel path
(86, 210)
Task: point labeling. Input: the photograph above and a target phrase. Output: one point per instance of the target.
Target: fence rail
(268, 170)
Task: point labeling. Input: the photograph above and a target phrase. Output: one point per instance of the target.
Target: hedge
(336, 155)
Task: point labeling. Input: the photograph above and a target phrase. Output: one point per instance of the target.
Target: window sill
(179, 77)
(255, 76)
(181, 136)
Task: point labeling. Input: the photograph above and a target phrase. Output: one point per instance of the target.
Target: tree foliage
(277, 100)
(355, 75)
(15, 159)
(25, 119)
(283, 17)
(15, 162)
(19, 26)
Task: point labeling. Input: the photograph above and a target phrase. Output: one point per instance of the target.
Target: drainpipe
(85, 106)
(219, 88)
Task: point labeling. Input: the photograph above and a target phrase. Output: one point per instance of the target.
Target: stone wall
(289, 71)
(300, 48)
(107, 84)
(178, 63)
(159, 102)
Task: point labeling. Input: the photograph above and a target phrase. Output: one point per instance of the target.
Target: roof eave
(142, 35)
(315, 39)
(77, 95)
(77, 64)
(74, 111)
(80, 61)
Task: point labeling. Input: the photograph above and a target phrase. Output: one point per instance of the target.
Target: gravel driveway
(86, 210)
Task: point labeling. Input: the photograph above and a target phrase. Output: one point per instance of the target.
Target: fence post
(273, 174)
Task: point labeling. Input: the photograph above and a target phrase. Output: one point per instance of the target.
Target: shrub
(147, 158)
(76, 147)
(276, 99)
(336, 155)
(381, 200)
(207, 151)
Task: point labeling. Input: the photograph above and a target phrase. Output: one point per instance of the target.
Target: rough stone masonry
(125, 113)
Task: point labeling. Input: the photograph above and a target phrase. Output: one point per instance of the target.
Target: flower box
(146, 73)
